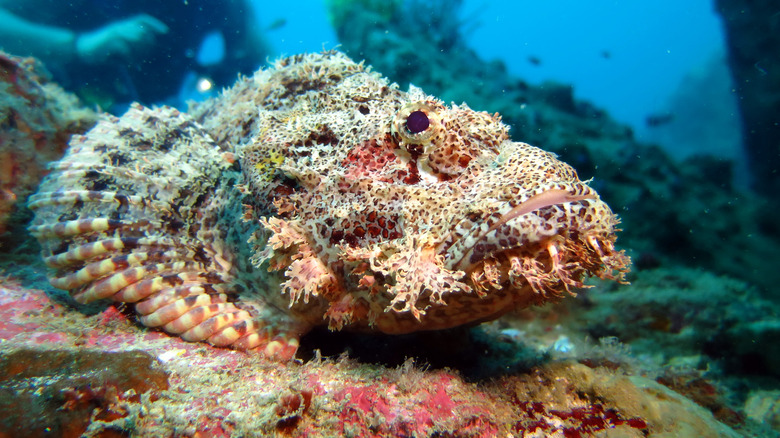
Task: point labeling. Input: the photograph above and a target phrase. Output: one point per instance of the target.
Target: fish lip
(554, 194)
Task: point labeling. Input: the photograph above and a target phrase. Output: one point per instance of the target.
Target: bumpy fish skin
(315, 192)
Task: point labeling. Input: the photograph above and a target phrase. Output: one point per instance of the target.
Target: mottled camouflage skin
(315, 193)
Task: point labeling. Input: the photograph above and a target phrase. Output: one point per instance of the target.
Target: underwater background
(670, 109)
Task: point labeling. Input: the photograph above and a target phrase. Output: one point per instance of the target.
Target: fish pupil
(417, 122)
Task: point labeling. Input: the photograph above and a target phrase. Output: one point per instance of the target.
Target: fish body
(317, 193)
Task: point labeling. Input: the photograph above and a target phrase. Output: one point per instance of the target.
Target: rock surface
(192, 389)
(37, 118)
(753, 37)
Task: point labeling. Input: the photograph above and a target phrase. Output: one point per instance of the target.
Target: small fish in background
(276, 24)
(534, 60)
(606, 54)
(656, 120)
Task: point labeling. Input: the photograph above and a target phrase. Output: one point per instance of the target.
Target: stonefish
(315, 192)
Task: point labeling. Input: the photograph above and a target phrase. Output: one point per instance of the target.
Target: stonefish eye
(417, 122)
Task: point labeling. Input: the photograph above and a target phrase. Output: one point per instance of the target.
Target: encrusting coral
(37, 118)
(315, 192)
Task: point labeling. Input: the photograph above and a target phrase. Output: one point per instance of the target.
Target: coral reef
(764, 406)
(192, 389)
(684, 314)
(37, 118)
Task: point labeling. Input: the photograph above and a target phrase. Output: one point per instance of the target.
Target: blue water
(630, 58)
(625, 56)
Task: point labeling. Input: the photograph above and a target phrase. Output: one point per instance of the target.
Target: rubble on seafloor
(37, 118)
(101, 375)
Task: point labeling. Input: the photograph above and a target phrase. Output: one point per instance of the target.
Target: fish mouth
(556, 195)
(550, 240)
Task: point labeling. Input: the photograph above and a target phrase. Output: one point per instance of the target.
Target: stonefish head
(394, 211)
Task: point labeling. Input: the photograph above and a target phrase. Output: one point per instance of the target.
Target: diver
(113, 53)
